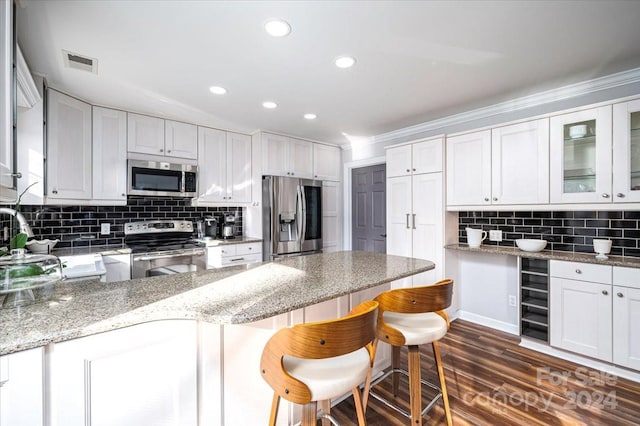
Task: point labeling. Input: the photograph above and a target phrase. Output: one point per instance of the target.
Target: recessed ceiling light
(345, 62)
(277, 28)
(217, 90)
(310, 116)
(269, 105)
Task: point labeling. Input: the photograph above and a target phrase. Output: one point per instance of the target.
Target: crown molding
(537, 99)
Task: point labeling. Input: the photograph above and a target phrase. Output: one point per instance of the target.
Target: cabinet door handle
(620, 195)
(16, 175)
(486, 199)
(495, 198)
(408, 170)
(161, 150)
(55, 191)
(414, 220)
(605, 292)
(414, 170)
(168, 151)
(408, 221)
(237, 259)
(620, 295)
(605, 195)
(578, 271)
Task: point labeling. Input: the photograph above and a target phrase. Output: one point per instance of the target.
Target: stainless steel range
(163, 247)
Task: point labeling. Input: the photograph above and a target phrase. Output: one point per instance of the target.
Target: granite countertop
(238, 240)
(233, 295)
(629, 262)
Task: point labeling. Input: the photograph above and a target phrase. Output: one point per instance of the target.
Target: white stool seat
(417, 329)
(329, 378)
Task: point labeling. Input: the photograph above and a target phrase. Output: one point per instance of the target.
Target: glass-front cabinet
(580, 169)
(626, 151)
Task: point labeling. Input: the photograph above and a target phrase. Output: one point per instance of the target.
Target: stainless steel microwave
(159, 178)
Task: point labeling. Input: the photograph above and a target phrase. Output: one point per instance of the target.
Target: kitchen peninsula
(130, 343)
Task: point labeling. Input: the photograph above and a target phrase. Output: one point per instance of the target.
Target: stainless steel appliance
(227, 228)
(212, 227)
(163, 247)
(292, 216)
(163, 179)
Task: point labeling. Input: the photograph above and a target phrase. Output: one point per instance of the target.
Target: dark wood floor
(493, 381)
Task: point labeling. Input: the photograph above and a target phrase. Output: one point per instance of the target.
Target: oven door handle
(168, 255)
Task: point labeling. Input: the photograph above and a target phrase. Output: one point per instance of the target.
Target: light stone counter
(629, 262)
(233, 295)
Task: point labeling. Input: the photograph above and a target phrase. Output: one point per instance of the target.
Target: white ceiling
(416, 61)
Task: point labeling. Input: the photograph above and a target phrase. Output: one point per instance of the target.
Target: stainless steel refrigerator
(291, 217)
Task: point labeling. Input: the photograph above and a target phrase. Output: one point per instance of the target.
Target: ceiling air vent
(79, 62)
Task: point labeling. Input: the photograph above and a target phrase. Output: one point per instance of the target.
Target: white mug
(475, 237)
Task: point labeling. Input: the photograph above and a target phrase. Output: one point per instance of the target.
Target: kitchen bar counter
(234, 295)
(629, 262)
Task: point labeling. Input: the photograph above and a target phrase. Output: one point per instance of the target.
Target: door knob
(385, 236)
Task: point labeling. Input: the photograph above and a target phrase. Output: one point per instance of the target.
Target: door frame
(348, 168)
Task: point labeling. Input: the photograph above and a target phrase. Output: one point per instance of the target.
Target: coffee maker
(212, 227)
(227, 227)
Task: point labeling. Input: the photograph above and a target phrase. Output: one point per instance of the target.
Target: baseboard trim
(578, 359)
(489, 322)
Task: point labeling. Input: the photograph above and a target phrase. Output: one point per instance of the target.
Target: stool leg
(367, 382)
(309, 414)
(325, 407)
(443, 385)
(274, 409)
(357, 401)
(395, 363)
(415, 385)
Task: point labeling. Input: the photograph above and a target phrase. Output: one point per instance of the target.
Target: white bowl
(577, 131)
(531, 245)
(41, 246)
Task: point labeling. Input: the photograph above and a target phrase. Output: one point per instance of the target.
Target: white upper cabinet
(180, 139)
(212, 169)
(581, 157)
(224, 166)
(300, 158)
(469, 169)
(326, 162)
(7, 187)
(520, 163)
(155, 136)
(68, 147)
(285, 156)
(145, 134)
(109, 154)
(416, 158)
(626, 152)
(239, 181)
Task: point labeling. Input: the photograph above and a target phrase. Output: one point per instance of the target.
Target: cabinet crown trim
(537, 99)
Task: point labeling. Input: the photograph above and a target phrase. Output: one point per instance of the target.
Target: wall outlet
(495, 235)
(105, 228)
(512, 300)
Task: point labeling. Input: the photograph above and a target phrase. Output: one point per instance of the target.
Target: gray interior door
(369, 209)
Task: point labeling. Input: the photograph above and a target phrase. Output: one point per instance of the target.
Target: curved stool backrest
(316, 340)
(413, 300)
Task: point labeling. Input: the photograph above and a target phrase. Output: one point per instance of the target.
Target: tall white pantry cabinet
(415, 206)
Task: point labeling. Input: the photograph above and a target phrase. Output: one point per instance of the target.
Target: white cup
(475, 237)
(602, 247)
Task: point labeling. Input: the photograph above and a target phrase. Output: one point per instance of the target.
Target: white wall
(485, 282)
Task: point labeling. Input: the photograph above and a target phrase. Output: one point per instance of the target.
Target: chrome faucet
(24, 226)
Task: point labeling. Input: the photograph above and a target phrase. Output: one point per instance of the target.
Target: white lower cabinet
(626, 317)
(118, 267)
(233, 254)
(22, 388)
(581, 317)
(140, 375)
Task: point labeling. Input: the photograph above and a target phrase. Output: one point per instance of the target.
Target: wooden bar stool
(320, 361)
(412, 317)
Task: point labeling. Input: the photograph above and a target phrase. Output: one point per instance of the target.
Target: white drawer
(241, 259)
(626, 277)
(580, 271)
(251, 248)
